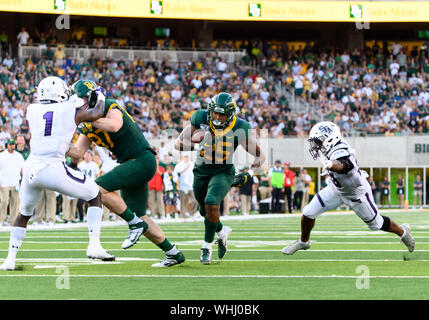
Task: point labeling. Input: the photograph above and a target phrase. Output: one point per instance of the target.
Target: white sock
(135, 220)
(207, 245)
(405, 232)
(220, 234)
(93, 218)
(172, 251)
(17, 235)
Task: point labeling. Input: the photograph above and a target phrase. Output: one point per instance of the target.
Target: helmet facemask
(316, 145)
(228, 109)
(217, 123)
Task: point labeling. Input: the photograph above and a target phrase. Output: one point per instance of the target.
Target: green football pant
(131, 178)
(211, 190)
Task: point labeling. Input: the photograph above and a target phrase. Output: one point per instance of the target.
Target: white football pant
(56, 176)
(363, 205)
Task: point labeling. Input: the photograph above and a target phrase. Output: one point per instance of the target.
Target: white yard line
(120, 260)
(333, 276)
(120, 222)
(229, 250)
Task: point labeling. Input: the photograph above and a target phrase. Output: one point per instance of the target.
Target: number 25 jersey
(51, 126)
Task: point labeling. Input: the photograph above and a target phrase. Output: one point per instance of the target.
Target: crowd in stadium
(377, 91)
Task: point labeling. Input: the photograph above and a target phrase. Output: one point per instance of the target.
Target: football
(198, 136)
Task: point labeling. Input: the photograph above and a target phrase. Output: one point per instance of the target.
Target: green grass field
(254, 267)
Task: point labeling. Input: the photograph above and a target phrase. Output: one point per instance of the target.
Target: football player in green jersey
(118, 132)
(214, 172)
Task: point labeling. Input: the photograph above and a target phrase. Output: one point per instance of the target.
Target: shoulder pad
(340, 153)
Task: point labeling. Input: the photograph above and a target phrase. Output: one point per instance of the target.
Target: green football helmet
(85, 88)
(222, 103)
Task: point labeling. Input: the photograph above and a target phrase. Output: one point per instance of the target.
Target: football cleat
(98, 252)
(408, 239)
(8, 264)
(295, 246)
(221, 242)
(134, 234)
(206, 256)
(170, 260)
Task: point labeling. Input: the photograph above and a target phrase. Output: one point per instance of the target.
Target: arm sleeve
(348, 165)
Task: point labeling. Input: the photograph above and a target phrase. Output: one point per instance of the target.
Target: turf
(52, 263)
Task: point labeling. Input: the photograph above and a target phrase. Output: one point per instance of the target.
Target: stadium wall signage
(421, 148)
(234, 10)
(378, 151)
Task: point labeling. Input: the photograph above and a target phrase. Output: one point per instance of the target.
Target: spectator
(418, 189)
(46, 208)
(307, 179)
(69, 204)
(394, 68)
(11, 166)
(7, 61)
(221, 66)
(385, 190)
(4, 136)
(23, 37)
(108, 162)
(4, 39)
(59, 55)
(163, 152)
(311, 190)
(246, 192)
(373, 188)
(400, 191)
(288, 186)
(264, 186)
(276, 175)
(156, 198)
(188, 204)
(21, 147)
(90, 169)
(396, 48)
(299, 189)
(170, 180)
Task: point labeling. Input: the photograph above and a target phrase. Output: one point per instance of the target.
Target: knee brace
(386, 223)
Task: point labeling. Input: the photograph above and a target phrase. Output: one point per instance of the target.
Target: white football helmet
(323, 136)
(54, 89)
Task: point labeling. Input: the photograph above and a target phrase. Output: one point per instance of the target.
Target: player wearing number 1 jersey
(347, 184)
(52, 122)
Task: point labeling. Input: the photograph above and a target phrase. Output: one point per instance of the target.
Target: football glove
(326, 163)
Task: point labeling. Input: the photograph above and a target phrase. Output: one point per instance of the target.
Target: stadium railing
(156, 55)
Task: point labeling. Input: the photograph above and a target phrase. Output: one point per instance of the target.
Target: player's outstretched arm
(90, 115)
(184, 140)
(111, 123)
(77, 150)
(251, 146)
(341, 165)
